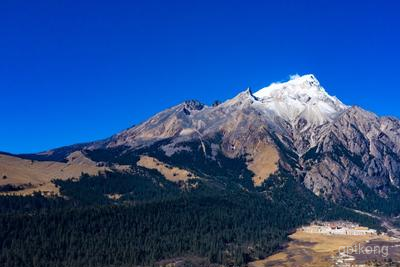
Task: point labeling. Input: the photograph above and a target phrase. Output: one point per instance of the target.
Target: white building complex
(338, 228)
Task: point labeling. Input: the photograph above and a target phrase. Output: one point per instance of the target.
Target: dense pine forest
(88, 229)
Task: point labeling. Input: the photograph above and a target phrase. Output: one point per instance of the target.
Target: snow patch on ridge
(300, 97)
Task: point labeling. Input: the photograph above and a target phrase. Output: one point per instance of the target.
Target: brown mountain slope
(37, 175)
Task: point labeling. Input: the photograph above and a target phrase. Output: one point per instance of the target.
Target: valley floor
(321, 250)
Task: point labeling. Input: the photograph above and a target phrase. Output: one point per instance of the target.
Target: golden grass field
(38, 174)
(171, 173)
(310, 250)
(265, 162)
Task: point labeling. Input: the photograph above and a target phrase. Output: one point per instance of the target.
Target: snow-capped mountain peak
(300, 97)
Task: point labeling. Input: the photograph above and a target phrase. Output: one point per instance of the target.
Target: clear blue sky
(76, 71)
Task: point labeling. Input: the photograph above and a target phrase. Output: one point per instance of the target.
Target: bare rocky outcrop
(358, 147)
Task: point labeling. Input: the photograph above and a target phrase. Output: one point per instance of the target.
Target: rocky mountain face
(296, 128)
(337, 151)
(358, 148)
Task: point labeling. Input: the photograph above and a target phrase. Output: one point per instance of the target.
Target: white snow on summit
(300, 97)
